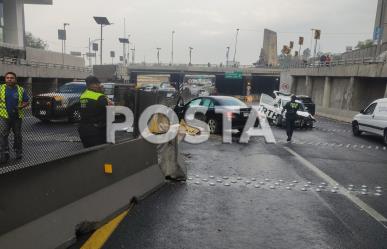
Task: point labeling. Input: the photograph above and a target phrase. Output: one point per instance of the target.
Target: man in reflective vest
(291, 109)
(92, 128)
(13, 99)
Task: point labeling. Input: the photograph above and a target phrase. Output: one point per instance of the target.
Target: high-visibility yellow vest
(3, 104)
(90, 95)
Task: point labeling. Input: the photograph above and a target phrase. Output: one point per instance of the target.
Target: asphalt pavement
(326, 189)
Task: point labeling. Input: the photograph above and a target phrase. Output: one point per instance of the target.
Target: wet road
(255, 195)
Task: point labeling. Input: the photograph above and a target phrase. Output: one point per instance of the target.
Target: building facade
(12, 21)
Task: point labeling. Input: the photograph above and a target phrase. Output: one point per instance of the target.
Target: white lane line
(369, 210)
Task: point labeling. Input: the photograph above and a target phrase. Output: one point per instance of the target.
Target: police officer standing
(92, 128)
(13, 99)
(291, 109)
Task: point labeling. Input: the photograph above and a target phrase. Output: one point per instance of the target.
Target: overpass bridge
(261, 79)
(340, 89)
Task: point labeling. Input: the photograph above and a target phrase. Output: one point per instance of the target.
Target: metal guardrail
(22, 62)
(334, 63)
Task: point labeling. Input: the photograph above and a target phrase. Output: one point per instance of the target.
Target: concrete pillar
(348, 96)
(133, 78)
(14, 22)
(308, 86)
(327, 92)
(27, 85)
(53, 85)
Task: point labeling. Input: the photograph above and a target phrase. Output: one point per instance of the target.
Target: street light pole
(173, 33)
(227, 55)
(190, 55)
(236, 43)
(102, 21)
(133, 53)
(64, 41)
(158, 55)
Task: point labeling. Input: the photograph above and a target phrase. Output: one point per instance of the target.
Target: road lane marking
(100, 236)
(369, 210)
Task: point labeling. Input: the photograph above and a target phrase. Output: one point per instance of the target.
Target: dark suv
(63, 104)
(308, 103)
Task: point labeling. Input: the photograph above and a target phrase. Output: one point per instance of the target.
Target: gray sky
(208, 26)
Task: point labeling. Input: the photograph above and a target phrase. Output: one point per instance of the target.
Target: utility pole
(133, 53)
(190, 55)
(227, 55)
(173, 33)
(380, 29)
(236, 43)
(158, 55)
(64, 41)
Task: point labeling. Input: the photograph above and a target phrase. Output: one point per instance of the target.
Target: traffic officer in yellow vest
(291, 109)
(13, 99)
(92, 128)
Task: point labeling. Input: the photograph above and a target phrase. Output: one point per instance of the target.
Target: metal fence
(35, 64)
(50, 124)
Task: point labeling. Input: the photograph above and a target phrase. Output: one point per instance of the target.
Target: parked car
(61, 104)
(308, 103)
(272, 108)
(64, 103)
(214, 120)
(373, 120)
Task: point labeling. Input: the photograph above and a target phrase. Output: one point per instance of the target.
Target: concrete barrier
(41, 206)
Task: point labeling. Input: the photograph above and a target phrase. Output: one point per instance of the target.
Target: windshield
(72, 88)
(231, 102)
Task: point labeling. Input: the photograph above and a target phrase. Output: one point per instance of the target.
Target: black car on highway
(237, 111)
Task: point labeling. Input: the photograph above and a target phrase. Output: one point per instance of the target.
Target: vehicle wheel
(213, 124)
(75, 115)
(355, 129)
(278, 121)
(385, 137)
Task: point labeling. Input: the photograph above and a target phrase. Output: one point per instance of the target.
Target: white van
(373, 119)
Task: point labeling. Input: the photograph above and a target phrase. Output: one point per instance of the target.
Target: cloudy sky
(207, 26)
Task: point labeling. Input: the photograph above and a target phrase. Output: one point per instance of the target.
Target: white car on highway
(373, 119)
(272, 108)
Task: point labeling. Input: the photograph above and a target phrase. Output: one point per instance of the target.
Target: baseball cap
(91, 79)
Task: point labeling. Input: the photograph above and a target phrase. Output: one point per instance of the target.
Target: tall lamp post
(190, 55)
(124, 41)
(64, 40)
(133, 53)
(158, 55)
(227, 55)
(103, 21)
(173, 33)
(236, 43)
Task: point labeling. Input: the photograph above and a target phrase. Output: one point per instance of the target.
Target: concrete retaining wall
(40, 55)
(42, 205)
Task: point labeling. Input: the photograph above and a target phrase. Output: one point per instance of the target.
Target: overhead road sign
(233, 75)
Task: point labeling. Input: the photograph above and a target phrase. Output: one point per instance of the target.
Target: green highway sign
(233, 75)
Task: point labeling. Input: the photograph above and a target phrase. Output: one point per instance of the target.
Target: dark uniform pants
(290, 127)
(6, 125)
(91, 135)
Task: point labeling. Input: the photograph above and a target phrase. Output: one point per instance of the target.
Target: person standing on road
(291, 109)
(13, 99)
(92, 128)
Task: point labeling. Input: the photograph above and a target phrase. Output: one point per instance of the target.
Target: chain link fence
(50, 124)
